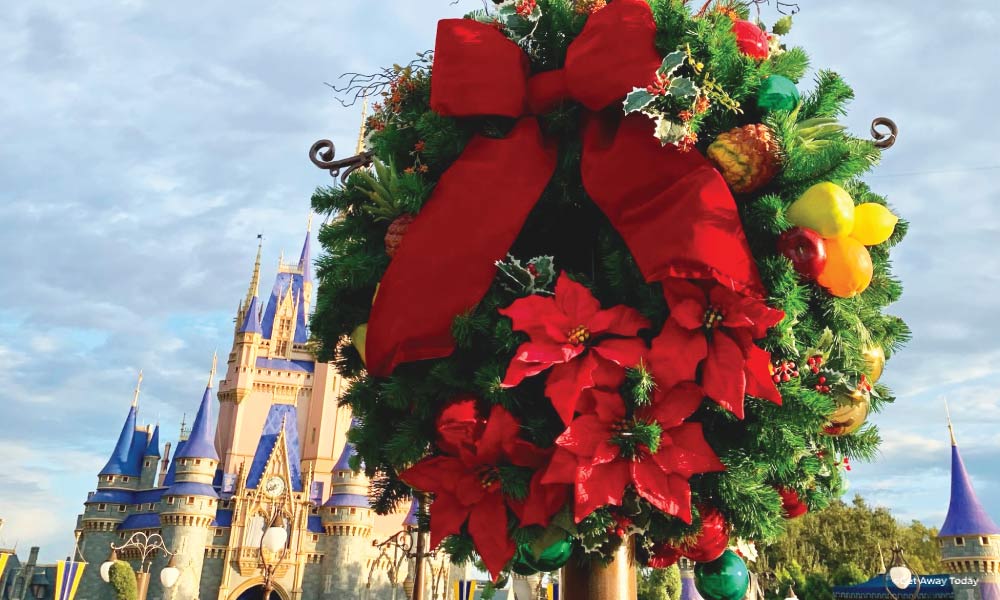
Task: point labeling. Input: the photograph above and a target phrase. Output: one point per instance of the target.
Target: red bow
(672, 208)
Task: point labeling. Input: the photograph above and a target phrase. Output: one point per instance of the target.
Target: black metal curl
(322, 155)
(784, 8)
(884, 139)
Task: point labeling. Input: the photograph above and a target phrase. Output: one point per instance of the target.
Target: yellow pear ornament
(826, 208)
(358, 337)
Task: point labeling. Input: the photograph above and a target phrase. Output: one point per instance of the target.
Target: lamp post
(273, 549)
(147, 546)
(899, 575)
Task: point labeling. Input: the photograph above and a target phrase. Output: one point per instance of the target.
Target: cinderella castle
(276, 451)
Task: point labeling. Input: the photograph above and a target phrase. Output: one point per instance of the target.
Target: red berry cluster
(864, 385)
(821, 385)
(847, 464)
(783, 371)
(533, 270)
(524, 8)
(620, 528)
(814, 363)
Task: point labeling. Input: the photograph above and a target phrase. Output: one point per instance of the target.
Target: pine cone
(747, 156)
(394, 237)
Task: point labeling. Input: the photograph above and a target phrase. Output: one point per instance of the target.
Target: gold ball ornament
(358, 337)
(874, 362)
(850, 415)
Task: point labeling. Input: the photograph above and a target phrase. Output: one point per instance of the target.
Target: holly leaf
(782, 26)
(670, 132)
(637, 100)
(671, 63)
(682, 87)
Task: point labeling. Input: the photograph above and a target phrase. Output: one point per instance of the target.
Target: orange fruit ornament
(848, 270)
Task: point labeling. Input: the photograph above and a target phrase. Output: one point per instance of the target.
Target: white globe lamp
(274, 539)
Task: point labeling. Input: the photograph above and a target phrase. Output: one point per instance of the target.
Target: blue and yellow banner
(465, 590)
(3, 562)
(68, 575)
(552, 593)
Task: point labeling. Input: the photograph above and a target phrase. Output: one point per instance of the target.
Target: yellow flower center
(579, 335)
(713, 318)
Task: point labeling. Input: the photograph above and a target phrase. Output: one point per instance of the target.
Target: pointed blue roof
(282, 283)
(118, 464)
(966, 516)
(278, 414)
(171, 477)
(411, 519)
(153, 447)
(201, 442)
(304, 262)
(251, 321)
(344, 462)
(137, 451)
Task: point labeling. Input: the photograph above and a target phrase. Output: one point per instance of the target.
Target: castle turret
(348, 521)
(189, 505)
(969, 539)
(150, 460)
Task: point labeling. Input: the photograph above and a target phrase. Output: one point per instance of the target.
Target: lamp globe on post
(275, 539)
(106, 566)
(170, 574)
(900, 576)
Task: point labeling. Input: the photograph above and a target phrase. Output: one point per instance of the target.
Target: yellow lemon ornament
(873, 223)
(826, 208)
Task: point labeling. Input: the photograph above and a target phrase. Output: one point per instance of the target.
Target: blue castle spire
(966, 516)
(120, 463)
(201, 442)
(153, 447)
(304, 259)
(251, 321)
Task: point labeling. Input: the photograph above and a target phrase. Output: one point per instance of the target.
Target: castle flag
(68, 574)
(465, 590)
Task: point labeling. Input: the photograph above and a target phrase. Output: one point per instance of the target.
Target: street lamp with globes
(900, 575)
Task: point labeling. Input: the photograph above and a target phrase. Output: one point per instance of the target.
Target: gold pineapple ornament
(748, 157)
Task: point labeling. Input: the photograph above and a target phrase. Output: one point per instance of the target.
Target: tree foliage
(122, 579)
(660, 584)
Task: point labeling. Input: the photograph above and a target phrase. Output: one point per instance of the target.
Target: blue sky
(146, 144)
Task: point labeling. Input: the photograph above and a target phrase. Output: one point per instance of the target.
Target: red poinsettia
(714, 326)
(711, 541)
(573, 336)
(467, 484)
(655, 451)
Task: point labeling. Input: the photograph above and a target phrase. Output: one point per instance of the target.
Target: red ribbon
(672, 208)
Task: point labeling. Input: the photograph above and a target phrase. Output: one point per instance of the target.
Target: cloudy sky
(144, 146)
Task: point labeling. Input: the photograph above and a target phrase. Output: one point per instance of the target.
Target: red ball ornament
(662, 555)
(791, 504)
(751, 39)
(712, 540)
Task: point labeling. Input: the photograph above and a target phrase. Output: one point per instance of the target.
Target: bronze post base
(583, 579)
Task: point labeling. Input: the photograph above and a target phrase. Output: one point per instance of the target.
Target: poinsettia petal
(583, 435)
(575, 301)
(523, 453)
(543, 502)
(617, 320)
(488, 528)
(447, 515)
(435, 474)
(742, 311)
(562, 468)
(500, 428)
(518, 371)
(686, 452)
(669, 493)
(688, 313)
(675, 355)
(459, 425)
(600, 485)
(565, 383)
(540, 317)
(608, 406)
(758, 374)
(671, 407)
(624, 352)
(677, 291)
(723, 378)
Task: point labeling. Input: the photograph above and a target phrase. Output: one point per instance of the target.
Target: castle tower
(150, 460)
(272, 363)
(348, 521)
(969, 539)
(107, 508)
(188, 507)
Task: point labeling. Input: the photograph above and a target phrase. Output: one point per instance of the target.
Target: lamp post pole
(899, 575)
(273, 548)
(147, 546)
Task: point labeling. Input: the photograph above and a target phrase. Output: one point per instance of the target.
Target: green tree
(122, 579)
(660, 584)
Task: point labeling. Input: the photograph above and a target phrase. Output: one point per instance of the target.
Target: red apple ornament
(751, 39)
(805, 248)
(792, 505)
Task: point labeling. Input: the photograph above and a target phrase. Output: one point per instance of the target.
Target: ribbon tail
(445, 263)
(672, 208)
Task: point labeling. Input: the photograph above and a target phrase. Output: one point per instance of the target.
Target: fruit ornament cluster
(611, 279)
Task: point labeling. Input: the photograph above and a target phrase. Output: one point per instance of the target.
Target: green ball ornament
(551, 559)
(778, 93)
(725, 578)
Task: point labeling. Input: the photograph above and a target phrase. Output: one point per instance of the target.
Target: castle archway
(254, 590)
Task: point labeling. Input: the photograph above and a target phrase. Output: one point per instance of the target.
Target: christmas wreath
(609, 278)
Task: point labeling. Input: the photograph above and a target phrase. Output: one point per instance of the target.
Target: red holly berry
(533, 270)
(397, 229)
(814, 363)
(782, 371)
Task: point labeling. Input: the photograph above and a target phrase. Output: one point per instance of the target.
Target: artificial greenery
(773, 446)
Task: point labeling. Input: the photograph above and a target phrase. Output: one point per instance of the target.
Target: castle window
(146, 465)
(959, 541)
(121, 508)
(197, 462)
(986, 540)
(170, 500)
(354, 511)
(190, 499)
(124, 479)
(110, 479)
(102, 507)
(218, 533)
(121, 535)
(315, 538)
